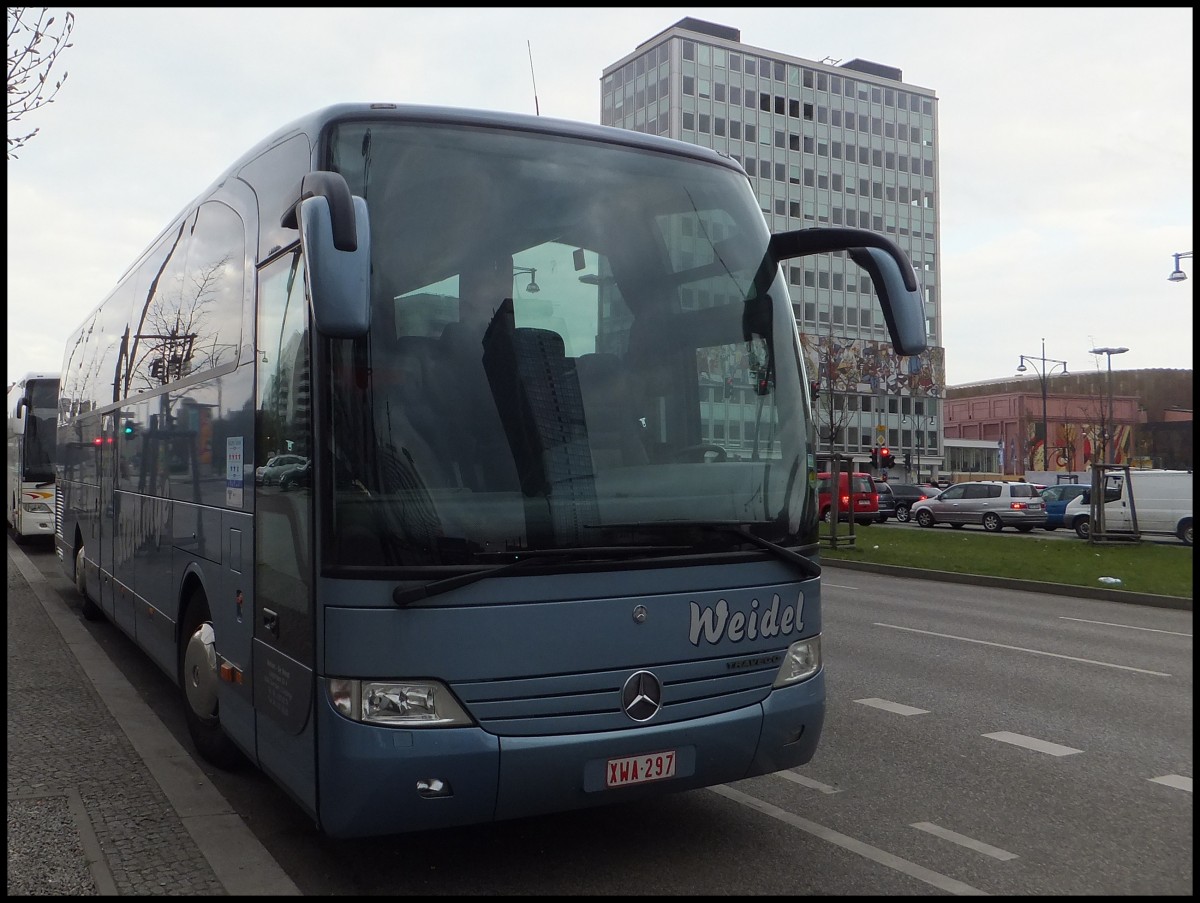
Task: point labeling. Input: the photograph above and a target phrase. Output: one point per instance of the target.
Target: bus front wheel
(199, 681)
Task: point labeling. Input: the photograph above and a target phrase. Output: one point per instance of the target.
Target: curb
(1179, 603)
(239, 860)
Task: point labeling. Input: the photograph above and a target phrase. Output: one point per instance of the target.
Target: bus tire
(91, 611)
(198, 680)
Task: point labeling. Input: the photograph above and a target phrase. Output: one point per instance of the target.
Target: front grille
(591, 701)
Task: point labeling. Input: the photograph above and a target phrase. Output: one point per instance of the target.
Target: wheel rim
(902, 514)
(80, 583)
(200, 672)
(991, 522)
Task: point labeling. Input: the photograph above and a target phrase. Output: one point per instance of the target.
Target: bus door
(283, 654)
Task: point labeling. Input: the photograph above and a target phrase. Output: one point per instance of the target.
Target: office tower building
(825, 144)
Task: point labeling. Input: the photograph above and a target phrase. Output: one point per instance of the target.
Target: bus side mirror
(18, 419)
(891, 273)
(335, 234)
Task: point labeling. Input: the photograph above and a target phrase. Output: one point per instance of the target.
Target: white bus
(32, 410)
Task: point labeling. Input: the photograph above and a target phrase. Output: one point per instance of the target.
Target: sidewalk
(102, 800)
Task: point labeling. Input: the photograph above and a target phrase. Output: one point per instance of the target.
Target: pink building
(1009, 414)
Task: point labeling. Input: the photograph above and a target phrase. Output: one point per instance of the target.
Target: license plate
(640, 769)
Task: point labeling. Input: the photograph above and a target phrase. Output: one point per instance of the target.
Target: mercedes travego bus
(553, 542)
(32, 415)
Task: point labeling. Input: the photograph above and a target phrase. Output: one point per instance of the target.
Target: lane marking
(1043, 746)
(894, 707)
(963, 841)
(805, 782)
(1127, 626)
(1178, 781)
(1069, 658)
(888, 860)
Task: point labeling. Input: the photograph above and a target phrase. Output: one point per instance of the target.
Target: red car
(858, 494)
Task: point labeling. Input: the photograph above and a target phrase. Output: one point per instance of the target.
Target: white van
(1162, 500)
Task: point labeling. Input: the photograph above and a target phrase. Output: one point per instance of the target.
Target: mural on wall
(861, 365)
(1073, 446)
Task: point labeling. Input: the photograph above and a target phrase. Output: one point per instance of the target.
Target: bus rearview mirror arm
(335, 235)
(891, 273)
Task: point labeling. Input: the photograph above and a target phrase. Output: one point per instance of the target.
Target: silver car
(993, 504)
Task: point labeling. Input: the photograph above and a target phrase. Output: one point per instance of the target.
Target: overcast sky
(1065, 144)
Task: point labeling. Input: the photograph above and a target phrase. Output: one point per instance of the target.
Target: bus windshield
(40, 430)
(569, 339)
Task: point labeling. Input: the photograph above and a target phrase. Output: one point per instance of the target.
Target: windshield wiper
(807, 566)
(403, 597)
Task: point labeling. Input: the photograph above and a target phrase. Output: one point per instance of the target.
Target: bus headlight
(396, 703)
(35, 508)
(802, 661)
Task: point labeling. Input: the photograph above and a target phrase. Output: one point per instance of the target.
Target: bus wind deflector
(892, 274)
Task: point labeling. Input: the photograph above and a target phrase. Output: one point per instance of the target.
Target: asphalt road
(977, 740)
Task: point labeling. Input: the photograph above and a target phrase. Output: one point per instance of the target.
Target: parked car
(994, 504)
(1056, 498)
(864, 502)
(901, 497)
(887, 501)
(296, 476)
(1161, 502)
(269, 473)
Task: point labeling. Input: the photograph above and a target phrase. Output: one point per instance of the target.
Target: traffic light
(885, 458)
(874, 458)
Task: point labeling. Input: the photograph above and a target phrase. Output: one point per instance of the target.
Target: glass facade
(823, 146)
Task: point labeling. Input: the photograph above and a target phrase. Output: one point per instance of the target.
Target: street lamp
(1108, 425)
(922, 422)
(1179, 275)
(533, 288)
(1043, 374)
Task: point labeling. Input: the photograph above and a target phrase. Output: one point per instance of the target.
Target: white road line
(1127, 626)
(935, 879)
(1070, 658)
(826, 583)
(963, 841)
(894, 707)
(1044, 746)
(805, 782)
(1178, 781)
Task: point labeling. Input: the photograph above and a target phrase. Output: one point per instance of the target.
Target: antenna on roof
(536, 111)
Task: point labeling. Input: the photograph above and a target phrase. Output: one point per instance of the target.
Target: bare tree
(33, 50)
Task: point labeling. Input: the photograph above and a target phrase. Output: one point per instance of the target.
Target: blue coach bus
(550, 538)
